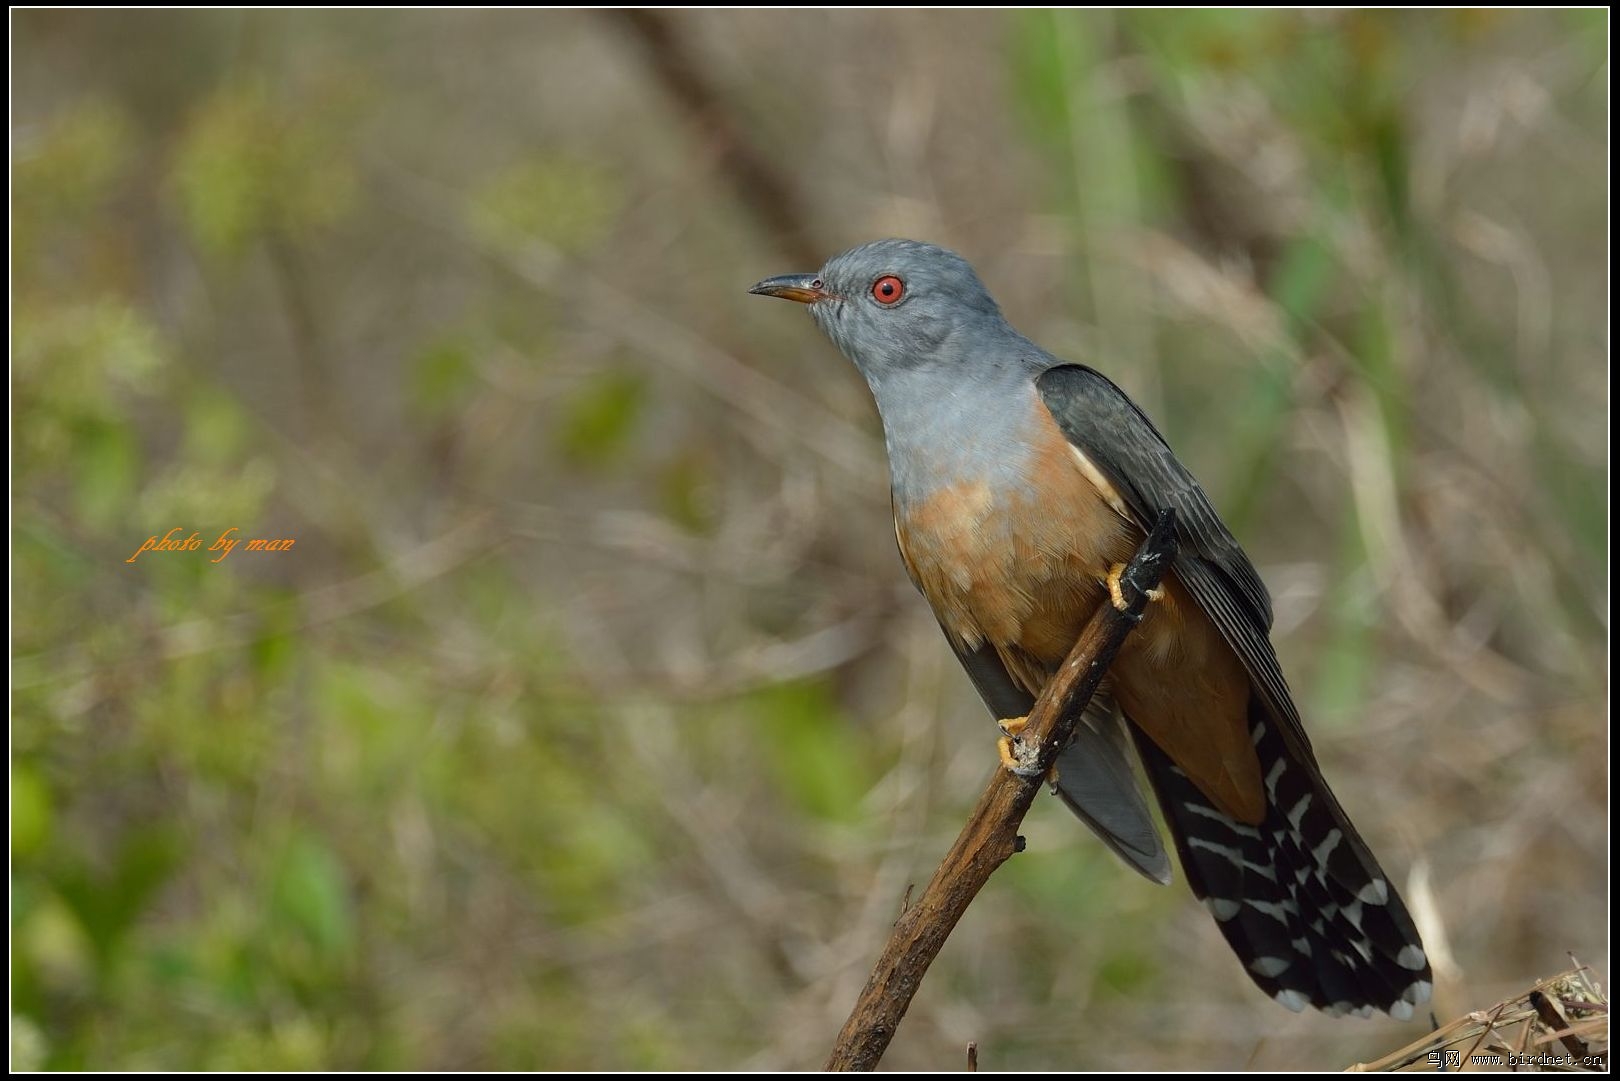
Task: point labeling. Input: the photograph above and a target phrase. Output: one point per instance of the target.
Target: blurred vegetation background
(591, 721)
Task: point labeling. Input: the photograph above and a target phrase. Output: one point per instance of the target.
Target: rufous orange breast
(1022, 566)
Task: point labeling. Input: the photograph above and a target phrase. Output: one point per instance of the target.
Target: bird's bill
(804, 288)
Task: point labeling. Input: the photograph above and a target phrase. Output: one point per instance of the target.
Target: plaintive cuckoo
(1021, 485)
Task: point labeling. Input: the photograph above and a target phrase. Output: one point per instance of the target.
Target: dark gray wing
(1094, 775)
(1099, 419)
(1095, 781)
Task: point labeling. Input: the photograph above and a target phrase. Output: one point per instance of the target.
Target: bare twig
(1552, 1015)
(1443, 1047)
(768, 193)
(991, 834)
(1490, 1026)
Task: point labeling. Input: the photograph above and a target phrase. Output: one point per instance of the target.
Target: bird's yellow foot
(1016, 755)
(1117, 594)
(1010, 728)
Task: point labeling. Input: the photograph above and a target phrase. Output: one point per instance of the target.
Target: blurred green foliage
(601, 417)
(568, 204)
(252, 164)
(588, 725)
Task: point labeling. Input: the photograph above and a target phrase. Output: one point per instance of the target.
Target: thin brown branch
(768, 193)
(1443, 1046)
(991, 835)
(1552, 1015)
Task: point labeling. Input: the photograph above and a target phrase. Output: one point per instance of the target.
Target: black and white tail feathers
(1299, 898)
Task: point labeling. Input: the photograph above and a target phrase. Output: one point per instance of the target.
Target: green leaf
(63, 174)
(52, 948)
(108, 467)
(1041, 78)
(108, 905)
(1301, 280)
(255, 161)
(566, 203)
(310, 892)
(442, 376)
(686, 492)
(598, 420)
(30, 811)
(814, 754)
(1346, 664)
(217, 427)
(29, 1048)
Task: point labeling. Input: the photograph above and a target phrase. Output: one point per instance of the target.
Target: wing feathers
(1300, 897)
(1135, 457)
(1117, 437)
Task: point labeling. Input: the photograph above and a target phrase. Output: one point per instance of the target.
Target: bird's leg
(1117, 594)
(1010, 728)
(1016, 756)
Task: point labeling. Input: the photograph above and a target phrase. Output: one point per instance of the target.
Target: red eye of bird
(888, 289)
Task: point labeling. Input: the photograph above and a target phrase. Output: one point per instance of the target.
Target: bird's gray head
(894, 304)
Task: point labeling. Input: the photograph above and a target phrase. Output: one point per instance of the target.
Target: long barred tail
(1299, 898)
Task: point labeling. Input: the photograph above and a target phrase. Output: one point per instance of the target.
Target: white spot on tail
(1352, 912)
(1234, 857)
(1231, 855)
(1375, 892)
(1411, 957)
(1299, 812)
(1290, 999)
(1277, 768)
(1365, 1013)
(1268, 967)
(1322, 851)
(1221, 908)
(1257, 733)
(1418, 992)
(1226, 820)
(1303, 945)
(1278, 912)
(1401, 1010)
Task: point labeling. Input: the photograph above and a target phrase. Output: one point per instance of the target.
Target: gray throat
(945, 426)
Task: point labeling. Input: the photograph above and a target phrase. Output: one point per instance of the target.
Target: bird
(1021, 484)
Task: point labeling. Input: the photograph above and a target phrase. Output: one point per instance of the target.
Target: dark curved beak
(804, 288)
